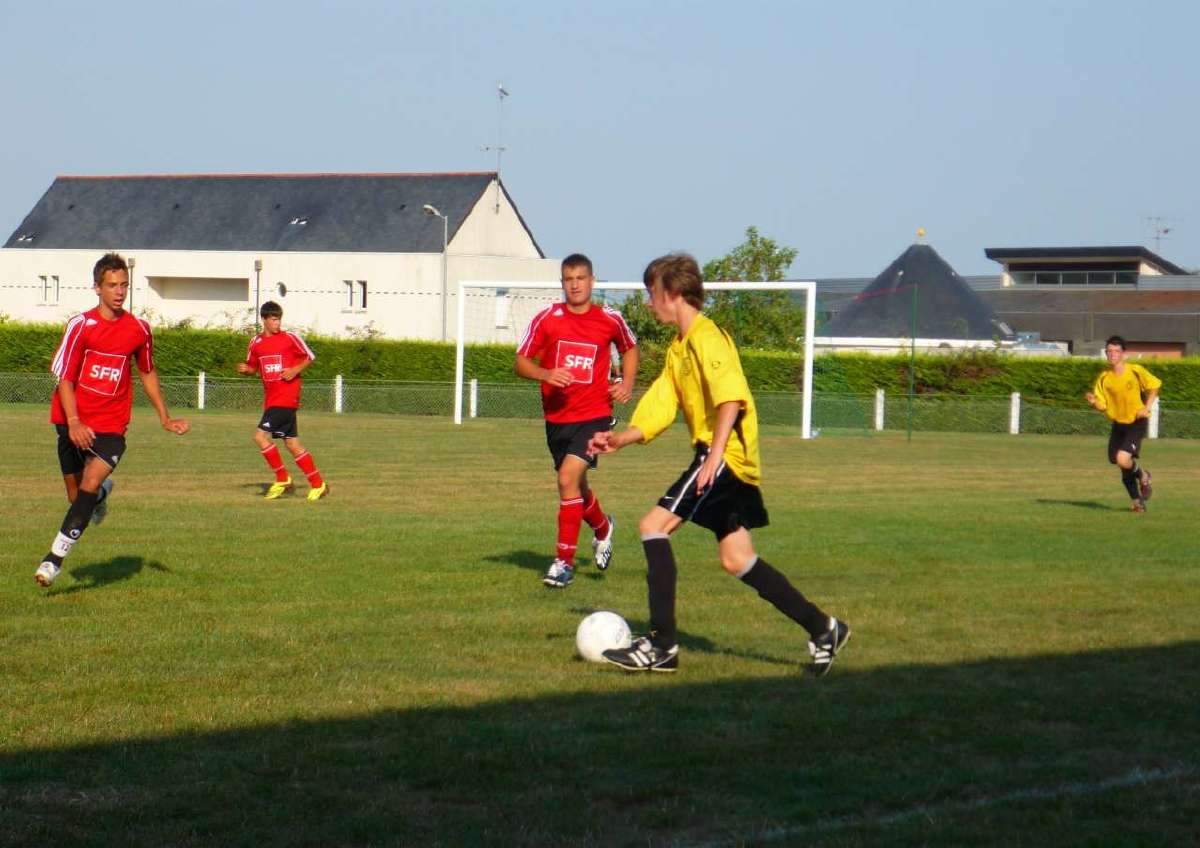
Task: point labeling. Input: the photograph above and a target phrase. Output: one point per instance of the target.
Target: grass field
(384, 667)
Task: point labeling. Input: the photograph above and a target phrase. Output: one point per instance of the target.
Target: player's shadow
(1079, 504)
(529, 560)
(97, 575)
(260, 489)
(538, 561)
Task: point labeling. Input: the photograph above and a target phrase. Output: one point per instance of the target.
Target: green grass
(385, 668)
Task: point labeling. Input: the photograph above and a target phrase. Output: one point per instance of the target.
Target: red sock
(305, 461)
(271, 455)
(595, 517)
(570, 517)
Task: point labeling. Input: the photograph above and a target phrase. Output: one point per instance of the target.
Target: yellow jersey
(703, 371)
(1120, 397)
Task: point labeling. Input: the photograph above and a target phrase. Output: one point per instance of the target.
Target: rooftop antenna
(1161, 228)
(499, 147)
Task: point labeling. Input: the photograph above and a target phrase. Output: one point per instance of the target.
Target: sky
(635, 128)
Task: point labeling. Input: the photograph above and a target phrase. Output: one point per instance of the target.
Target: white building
(344, 254)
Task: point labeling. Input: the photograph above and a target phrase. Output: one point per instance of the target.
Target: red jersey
(270, 356)
(95, 354)
(560, 338)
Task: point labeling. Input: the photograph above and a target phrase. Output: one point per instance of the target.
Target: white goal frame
(810, 319)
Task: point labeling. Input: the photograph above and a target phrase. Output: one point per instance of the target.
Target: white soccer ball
(600, 632)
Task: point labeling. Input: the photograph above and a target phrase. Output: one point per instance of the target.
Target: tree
(765, 320)
(758, 319)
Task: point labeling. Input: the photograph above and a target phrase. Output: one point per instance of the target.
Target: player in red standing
(93, 400)
(567, 349)
(279, 357)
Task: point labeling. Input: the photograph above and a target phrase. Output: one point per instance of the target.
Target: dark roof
(947, 308)
(1006, 254)
(368, 213)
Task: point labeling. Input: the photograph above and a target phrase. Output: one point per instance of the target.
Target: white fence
(830, 411)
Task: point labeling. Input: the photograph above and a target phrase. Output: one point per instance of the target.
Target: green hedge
(182, 352)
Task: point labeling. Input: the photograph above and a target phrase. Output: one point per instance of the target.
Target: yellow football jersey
(703, 371)
(1121, 397)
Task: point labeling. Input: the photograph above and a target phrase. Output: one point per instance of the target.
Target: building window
(356, 295)
(1075, 277)
(49, 288)
(503, 315)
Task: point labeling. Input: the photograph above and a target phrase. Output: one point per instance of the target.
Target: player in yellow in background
(703, 379)
(1125, 392)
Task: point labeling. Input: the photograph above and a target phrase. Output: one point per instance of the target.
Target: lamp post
(432, 210)
(257, 291)
(132, 263)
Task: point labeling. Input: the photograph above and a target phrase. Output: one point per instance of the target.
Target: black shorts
(572, 439)
(106, 447)
(726, 505)
(280, 422)
(1127, 437)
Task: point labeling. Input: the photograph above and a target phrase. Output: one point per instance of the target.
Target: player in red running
(279, 357)
(92, 403)
(567, 348)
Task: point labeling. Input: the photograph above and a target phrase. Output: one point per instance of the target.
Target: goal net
(491, 313)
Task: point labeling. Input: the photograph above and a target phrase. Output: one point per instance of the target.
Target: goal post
(474, 295)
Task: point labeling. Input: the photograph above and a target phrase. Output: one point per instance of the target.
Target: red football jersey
(560, 338)
(95, 354)
(270, 355)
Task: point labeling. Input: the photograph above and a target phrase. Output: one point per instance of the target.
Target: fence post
(337, 393)
(879, 407)
(1154, 419)
(1014, 414)
(474, 397)
(200, 391)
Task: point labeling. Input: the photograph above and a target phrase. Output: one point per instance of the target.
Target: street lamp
(132, 263)
(432, 210)
(257, 290)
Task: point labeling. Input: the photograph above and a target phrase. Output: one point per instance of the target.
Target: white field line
(1134, 778)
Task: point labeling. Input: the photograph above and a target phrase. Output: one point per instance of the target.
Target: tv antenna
(498, 147)
(1161, 227)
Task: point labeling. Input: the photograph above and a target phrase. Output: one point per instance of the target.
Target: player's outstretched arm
(179, 426)
(607, 441)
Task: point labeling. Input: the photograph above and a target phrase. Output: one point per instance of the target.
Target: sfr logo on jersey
(101, 372)
(579, 358)
(271, 367)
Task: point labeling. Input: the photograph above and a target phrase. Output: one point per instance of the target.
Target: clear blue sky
(634, 128)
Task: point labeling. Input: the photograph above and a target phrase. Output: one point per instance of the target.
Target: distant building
(920, 298)
(343, 253)
(1073, 298)
(1079, 296)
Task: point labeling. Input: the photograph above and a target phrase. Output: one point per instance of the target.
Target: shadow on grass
(260, 490)
(982, 753)
(539, 561)
(1081, 504)
(97, 575)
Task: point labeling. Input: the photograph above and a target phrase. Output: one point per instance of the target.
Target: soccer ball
(599, 632)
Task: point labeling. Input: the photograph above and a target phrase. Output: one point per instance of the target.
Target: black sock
(1130, 479)
(772, 586)
(660, 580)
(80, 513)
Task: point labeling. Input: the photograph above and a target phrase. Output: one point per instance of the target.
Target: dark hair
(271, 309)
(678, 273)
(107, 263)
(1115, 340)
(575, 260)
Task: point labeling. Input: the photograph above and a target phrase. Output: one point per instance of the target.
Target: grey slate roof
(258, 212)
(947, 308)
(1134, 252)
